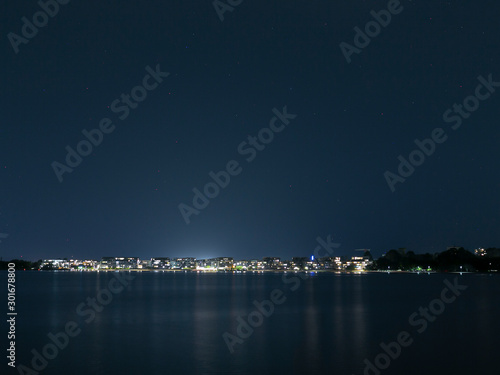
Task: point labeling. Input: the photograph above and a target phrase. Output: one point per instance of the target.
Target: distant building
(299, 263)
(243, 265)
(119, 263)
(202, 264)
(311, 264)
(286, 265)
(225, 263)
(271, 263)
(76, 264)
(329, 263)
(55, 263)
(183, 263)
(216, 264)
(106, 262)
(357, 263)
(160, 263)
(480, 252)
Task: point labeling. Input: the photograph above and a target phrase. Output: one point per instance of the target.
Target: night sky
(321, 174)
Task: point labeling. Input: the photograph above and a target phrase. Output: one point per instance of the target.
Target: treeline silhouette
(20, 264)
(451, 260)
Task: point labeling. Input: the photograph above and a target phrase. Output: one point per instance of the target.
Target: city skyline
(193, 262)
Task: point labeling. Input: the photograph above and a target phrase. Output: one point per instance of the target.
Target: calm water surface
(165, 323)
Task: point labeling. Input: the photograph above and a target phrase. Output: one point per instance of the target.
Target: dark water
(164, 323)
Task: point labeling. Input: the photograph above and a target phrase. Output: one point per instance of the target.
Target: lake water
(165, 323)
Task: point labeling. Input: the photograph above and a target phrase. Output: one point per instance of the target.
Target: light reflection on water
(173, 323)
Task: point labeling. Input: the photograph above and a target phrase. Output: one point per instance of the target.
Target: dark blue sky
(323, 174)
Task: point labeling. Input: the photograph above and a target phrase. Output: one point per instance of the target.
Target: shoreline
(266, 271)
